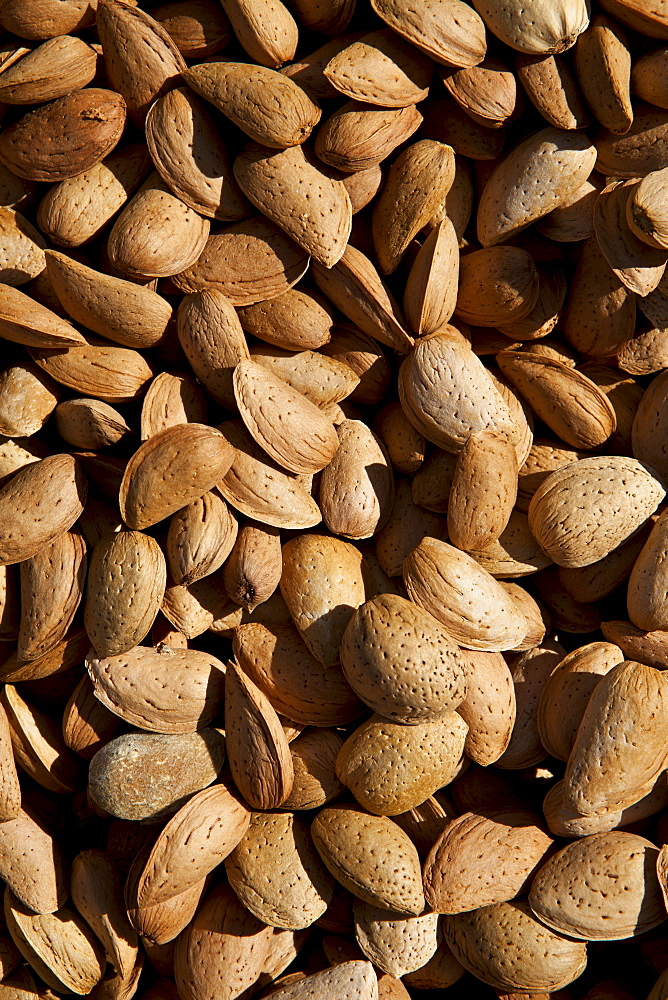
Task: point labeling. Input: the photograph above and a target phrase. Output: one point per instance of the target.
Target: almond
(32, 864)
(354, 502)
(371, 857)
(156, 234)
(322, 584)
(351, 980)
(590, 914)
(395, 945)
(65, 137)
(452, 34)
(242, 92)
(121, 776)
(567, 692)
(55, 68)
(390, 767)
(25, 321)
(416, 183)
(97, 893)
(489, 708)
(321, 379)
(358, 136)
(547, 29)
(550, 87)
(74, 211)
(97, 368)
(194, 841)
(161, 476)
(51, 589)
(59, 946)
(533, 179)
(637, 265)
(623, 495)
(603, 64)
(294, 320)
(257, 749)
(624, 720)
(187, 701)
(119, 310)
(141, 59)
(314, 755)
(472, 606)
(300, 888)
(381, 69)
(258, 488)
(249, 262)
(504, 945)
(223, 950)
(265, 28)
(530, 673)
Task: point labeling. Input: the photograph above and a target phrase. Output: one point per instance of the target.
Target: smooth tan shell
(449, 33)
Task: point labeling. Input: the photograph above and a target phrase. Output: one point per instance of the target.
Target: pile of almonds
(333, 521)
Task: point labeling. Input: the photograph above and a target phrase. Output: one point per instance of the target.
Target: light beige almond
(321, 379)
(75, 210)
(188, 701)
(23, 320)
(451, 34)
(97, 368)
(53, 69)
(354, 286)
(156, 235)
(141, 59)
(241, 91)
(59, 946)
(257, 748)
(551, 88)
(32, 864)
(194, 842)
(416, 183)
(545, 30)
(390, 767)
(489, 708)
(530, 672)
(291, 190)
(615, 496)
(97, 893)
(533, 179)
(266, 29)
(160, 477)
(21, 249)
(469, 603)
(27, 400)
(430, 296)
(349, 980)
(297, 685)
(52, 584)
(90, 424)
(512, 845)
(370, 856)
(484, 490)
(223, 951)
(624, 720)
(603, 64)
(322, 584)
(632, 904)
(295, 320)
(314, 755)
(258, 488)
(200, 538)
(287, 425)
(300, 888)
(119, 310)
(396, 946)
(507, 947)
(355, 502)
(213, 341)
(126, 585)
(382, 69)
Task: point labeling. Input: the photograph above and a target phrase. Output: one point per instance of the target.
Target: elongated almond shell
(119, 310)
(97, 893)
(32, 865)
(535, 178)
(224, 949)
(59, 946)
(142, 60)
(257, 487)
(615, 496)
(290, 189)
(300, 888)
(126, 585)
(637, 265)
(170, 470)
(380, 69)
(250, 261)
(192, 844)
(25, 321)
(38, 504)
(242, 92)
(450, 33)
(357, 487)
(625, 719)
(290, 428)
(176, 124)
(51, 589)
(97, 368)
